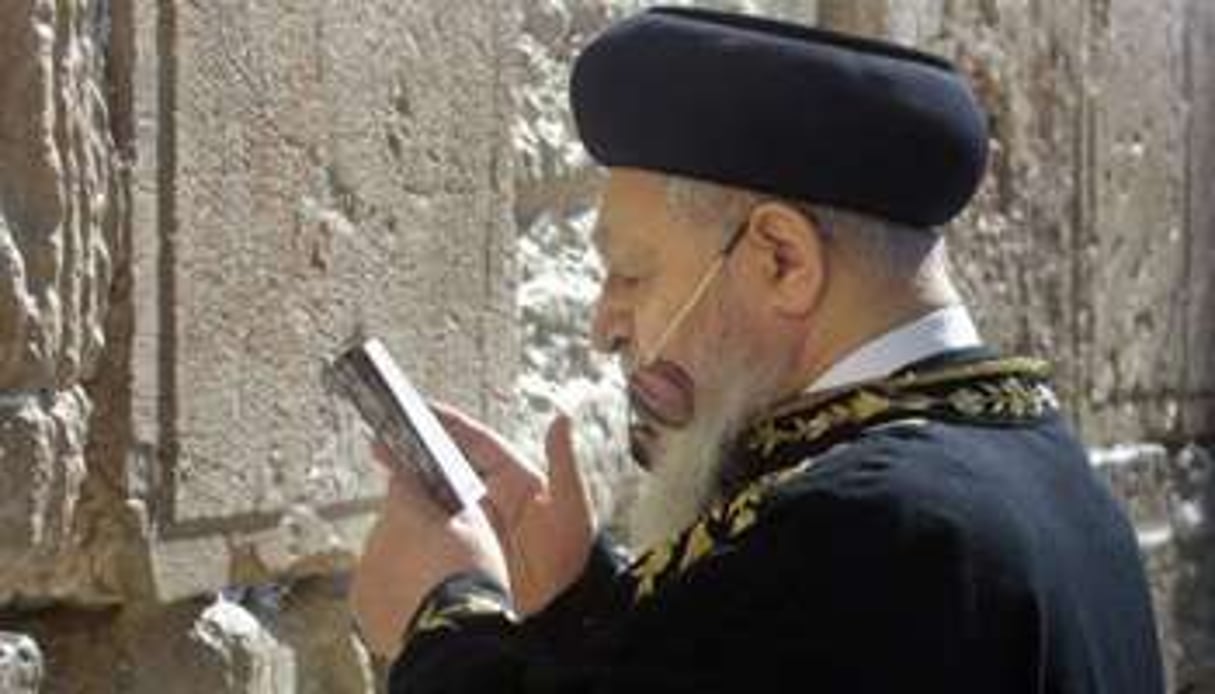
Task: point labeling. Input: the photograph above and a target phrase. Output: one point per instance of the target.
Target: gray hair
(890, 250)
(709, 205)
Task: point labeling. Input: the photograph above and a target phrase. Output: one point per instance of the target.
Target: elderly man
(847, 491)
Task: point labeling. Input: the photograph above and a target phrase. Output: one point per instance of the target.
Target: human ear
(792, 257)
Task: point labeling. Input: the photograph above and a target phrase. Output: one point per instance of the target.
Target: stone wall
(60, 202)
(198, 204)
(199, 201)
(306, 172)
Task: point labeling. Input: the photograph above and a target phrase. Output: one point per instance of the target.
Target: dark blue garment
(955, 540)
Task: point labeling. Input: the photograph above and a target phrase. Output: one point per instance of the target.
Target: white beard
(684, 480)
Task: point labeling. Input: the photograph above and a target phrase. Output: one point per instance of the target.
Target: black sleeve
(468, 619)
(591, 603)
(847, 592)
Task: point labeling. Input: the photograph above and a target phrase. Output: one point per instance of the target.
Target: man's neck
(941, 331)
(840, 338)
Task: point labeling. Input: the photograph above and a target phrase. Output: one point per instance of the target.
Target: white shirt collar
(942, 330)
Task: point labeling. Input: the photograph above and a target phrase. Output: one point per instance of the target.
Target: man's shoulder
(910, 457)
(1001, 486)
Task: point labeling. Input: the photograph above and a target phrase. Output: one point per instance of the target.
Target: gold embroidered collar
(991, 391)
(986, 391)
(994, 391)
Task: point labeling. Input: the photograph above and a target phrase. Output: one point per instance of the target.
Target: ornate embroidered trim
(453, 604)
(716, 530)
(998, 391)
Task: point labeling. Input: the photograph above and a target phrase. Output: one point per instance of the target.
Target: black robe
(938, 531)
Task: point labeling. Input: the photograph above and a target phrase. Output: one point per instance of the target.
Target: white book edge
(454, 466)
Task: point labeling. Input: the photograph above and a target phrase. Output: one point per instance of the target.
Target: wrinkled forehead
(633, 212)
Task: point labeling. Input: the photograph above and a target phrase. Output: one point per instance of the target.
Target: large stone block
(39, 496)
(56, 193)
(1199, 378)
(41, 473)
(59, 205)
(1013, 247)
(1077, 247)
(304, 171)
(1133, 258)
(552, 171)
(58, 542)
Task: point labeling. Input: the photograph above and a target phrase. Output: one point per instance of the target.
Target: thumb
(567, 491)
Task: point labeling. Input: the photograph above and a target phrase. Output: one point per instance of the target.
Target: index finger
(383, 455)
(487, 450)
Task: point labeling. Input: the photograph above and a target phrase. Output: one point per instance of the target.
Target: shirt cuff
(463, 601)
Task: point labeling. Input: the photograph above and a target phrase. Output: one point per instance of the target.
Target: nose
(609, 324)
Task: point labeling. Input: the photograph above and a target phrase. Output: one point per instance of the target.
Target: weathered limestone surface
(41, 473)
(1080, 246)
(58, 246)
(1199, 374)
(55, 172)
(274, 638)
(313, 170)
(20, 664)
(556, 190)
(290, 173)
(1135, 257)
(1015, 244)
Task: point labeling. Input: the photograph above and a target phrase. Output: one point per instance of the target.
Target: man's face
(654, 262)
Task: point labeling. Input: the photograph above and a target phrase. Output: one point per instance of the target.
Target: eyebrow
(618, 254)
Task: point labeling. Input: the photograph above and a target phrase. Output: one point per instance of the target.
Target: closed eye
(619, 280)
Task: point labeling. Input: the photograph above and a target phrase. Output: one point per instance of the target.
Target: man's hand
(413, 547)
(535, 540)
(545, 527)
